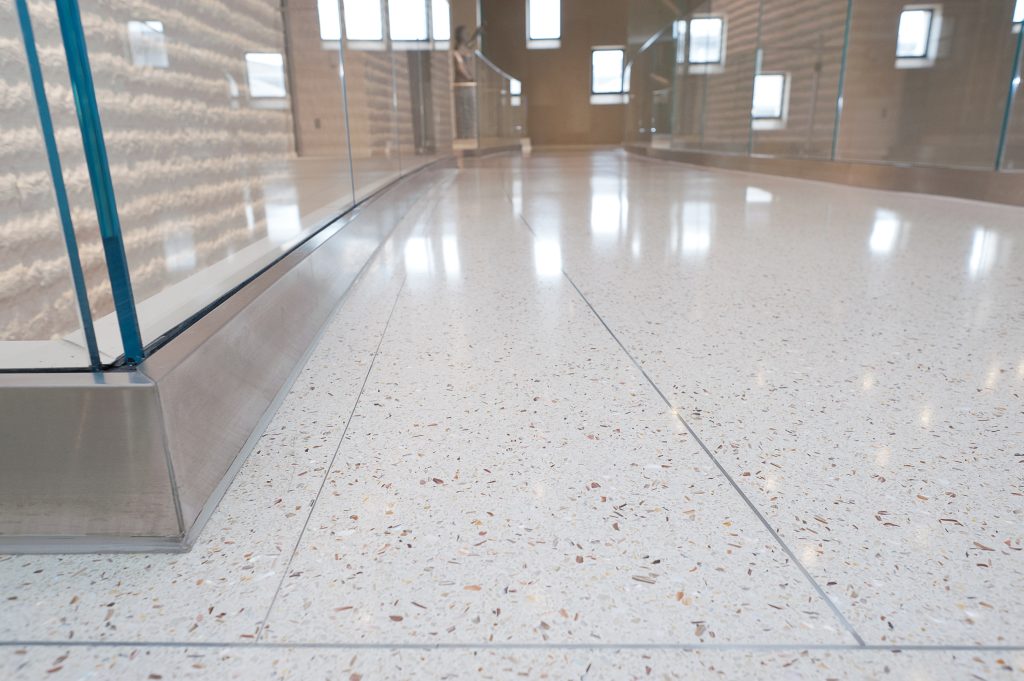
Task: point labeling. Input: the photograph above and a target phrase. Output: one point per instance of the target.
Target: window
(265, 72)
(363, 20)
(769, 96)
(330, 19)
(917, 36)
(441, 16)
(707, 40)
(606, 71)
(1018, 12)
(543, 23)
(146, 43)
(914, 33)
(515, 91)
(679, 32)
(407, 20)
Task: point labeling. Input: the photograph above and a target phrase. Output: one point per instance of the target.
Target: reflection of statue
(462, 54)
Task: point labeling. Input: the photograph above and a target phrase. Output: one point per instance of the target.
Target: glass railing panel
(801, 47)
(214, 172)
(726, 114)
(417, 138)
(373, 130)
(441, 98)
(722, 48)
(1013, 151)
(41, 309)
(942, 101)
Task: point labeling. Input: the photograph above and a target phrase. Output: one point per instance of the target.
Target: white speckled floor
(593, 416)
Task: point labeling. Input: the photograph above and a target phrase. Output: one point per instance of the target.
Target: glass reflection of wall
(927, 83)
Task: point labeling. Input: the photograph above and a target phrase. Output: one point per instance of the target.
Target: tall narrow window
(441, 17)
(914, 35)
(1018, 12)
(707, 40)
(408, 20)
(543, 23)
(330, 19)
(769, 96)
(265, 73)
(363, 20)
(606, 71)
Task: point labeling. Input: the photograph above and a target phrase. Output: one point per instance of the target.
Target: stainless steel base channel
(137, 460)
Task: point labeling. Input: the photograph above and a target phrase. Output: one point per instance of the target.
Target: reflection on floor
(590, 415)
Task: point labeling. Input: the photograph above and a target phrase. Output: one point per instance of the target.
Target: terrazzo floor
(593, 416)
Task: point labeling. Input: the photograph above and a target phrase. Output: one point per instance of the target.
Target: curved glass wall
(874, 81)
(231, 130)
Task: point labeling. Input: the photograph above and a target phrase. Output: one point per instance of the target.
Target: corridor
(589, 415)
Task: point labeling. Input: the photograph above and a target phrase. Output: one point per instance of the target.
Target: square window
(330, 19)
(769, 96)
(265, 73)
(914, 35)
(706, 40)
(363, 20)
(441, 16)
(147, 44)
(544, 20)
(407, 20)
(606, 71)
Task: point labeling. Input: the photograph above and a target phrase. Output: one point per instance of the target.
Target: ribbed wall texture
(201, 168)
(188, 152)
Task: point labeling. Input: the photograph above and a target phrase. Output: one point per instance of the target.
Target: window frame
(320, 5)
(138, 52)
(382, 20)
(547, 43)
(927, 38)
(447, 35)
(608, 48)
(721, 41)
(266, 101)
(782, 96)
(410, 43)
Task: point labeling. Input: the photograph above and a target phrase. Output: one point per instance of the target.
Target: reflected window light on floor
(547, 258)
(329, 16)
(450, 254)
(758, 195)
(265, 73)
(984, 248)
(417, 256)
(884, 232)
(147, 44)
(363, 20)
(697, 220)
(607, 214)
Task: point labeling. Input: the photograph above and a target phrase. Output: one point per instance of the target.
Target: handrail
(494, 67)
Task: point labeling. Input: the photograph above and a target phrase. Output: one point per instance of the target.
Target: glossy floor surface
(594, 416)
